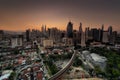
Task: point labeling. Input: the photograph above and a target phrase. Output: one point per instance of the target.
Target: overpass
(63, 70)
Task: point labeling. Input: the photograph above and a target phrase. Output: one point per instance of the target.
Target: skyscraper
(43, 29)
(80, 32)
(101, 33)
(95, 34)
(80, 28)
(1, 34)
(105, 37)
(110, 30)
(70, 30)
(110, 34)
(28, 35)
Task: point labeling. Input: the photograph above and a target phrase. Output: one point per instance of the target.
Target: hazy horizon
(24, 14)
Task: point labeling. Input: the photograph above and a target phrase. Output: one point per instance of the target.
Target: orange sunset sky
(23, 14)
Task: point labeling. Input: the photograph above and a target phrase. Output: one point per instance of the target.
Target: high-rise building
(101, 33)
(16, 40)
(70, 30)
(80, 32)
(43, 29)
(88, 34)
(95, 34)
(113, 37)
(76, 37)
(54, 34)
(105, 37)
(62, 34)
(28, 35)
(117, 40)
(110, 30)
(1, 34)
(48, 32)
(110, 34)
(80, 28)
(83, 39)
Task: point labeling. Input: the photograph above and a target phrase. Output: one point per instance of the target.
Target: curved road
(58, 74)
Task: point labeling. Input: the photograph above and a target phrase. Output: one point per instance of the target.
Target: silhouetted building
(88, 34)
(113, 37)
(80, 32)
(110, 34)
(83, 39)
(117, 41)
(101, 33)
(54, 34)
(110, 30)
(70, 30)
(1, 34)
(95, 34)
(43, 29)
(48, 32)
(28, 35)
(76, 37)
(105, 37)
(62, 34)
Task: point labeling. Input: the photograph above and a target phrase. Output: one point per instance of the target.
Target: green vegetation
(12, 75)
(51, 58)
(98, 71)
(60, 57)
(77, 62)
(16, 51)
(112, 70)
(52, 69)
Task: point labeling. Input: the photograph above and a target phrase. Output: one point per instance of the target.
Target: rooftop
(97, 57)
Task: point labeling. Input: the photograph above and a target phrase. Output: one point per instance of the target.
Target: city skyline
(23, 14)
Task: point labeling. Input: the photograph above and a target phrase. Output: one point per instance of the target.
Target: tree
(12, 75)
(77, 62)
(16, 51)
(115, 73)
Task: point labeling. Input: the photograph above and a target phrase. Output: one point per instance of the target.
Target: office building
(70, 30)
(80, 32)
(16, 41)
(48, 43)
(105, 37)
(1, 34)
(28, 35)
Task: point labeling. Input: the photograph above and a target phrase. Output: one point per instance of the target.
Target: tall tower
(45, 28)
(110, 30)
(70, 30)
(28, 35)
(101, 33)
(110, 34)
(82, 36)
(80, 28)
(80, 32)
(103, 27)
(42, 29)
(1, 34)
